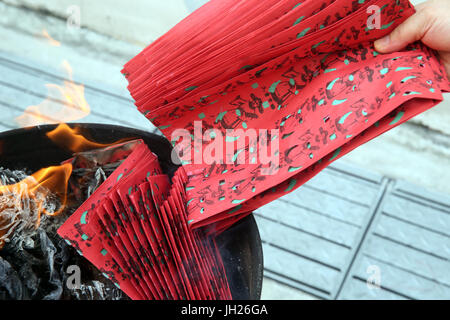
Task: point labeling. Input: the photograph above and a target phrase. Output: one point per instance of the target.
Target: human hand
(430, 24)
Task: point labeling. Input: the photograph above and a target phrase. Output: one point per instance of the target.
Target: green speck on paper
(333, 136)
(338, 102)
(385, 26)
(407, 78)
(246, 67)
(266, 104)
(221, 198)
(403, 68)
(119, 176)
(190, 221)
(83, 218)
(411, 93)
(301, 34)
(201, 115)
(292, 82)
(163, 127)
(321, 102)
(203, 98)
(344, 117)
(292, 169)
(191, 88)
(331, 84)
(346, 62)
(318, 44)
(291, 186)
(298, 20)
(351, 77)
(258, 73)
(273, 87)
(238, 112)
(237, 201)
(397, 118)
(84, 237)
(235, 209)
(244, 125)
(287, 135)
(329, 70)
(384, 70)
(231, 139)
(388, 84)
(335, 154)
(392, 95)
(220, 116)
(104, 252)
(255, 85)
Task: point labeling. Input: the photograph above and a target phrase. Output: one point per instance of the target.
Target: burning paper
(23, 202)
(259, 96)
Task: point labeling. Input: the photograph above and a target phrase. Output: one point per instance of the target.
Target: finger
(445, 59)
(411, 30)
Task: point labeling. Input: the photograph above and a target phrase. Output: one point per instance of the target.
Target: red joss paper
(298, 79)
(134, 229)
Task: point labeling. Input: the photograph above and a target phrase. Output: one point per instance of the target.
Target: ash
(34, 261)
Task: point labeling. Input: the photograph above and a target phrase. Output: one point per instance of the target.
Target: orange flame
(52, 41)
(14, 208)
(63, 104)
(72, 139)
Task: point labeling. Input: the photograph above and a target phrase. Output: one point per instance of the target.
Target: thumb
(411, 30)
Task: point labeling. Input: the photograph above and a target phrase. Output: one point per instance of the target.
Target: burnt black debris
(39, 265)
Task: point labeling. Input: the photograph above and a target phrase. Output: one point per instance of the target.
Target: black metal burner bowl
(240, 246)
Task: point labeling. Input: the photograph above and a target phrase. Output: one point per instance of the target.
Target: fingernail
(383, 42)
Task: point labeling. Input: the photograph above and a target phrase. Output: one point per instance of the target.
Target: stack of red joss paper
(257, 97)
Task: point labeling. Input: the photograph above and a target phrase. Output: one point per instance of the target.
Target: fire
(64, 103)
(72, 139)
(52, 41)
(23, 203)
